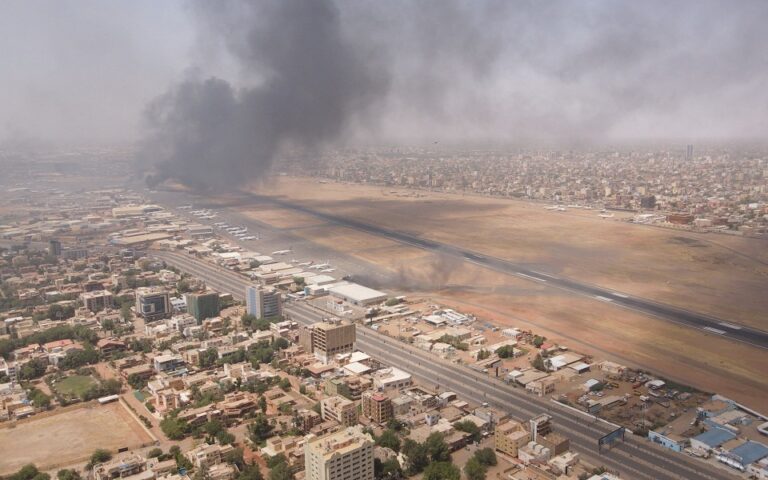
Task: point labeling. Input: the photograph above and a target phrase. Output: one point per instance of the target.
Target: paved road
(635, 458)
(709, 324)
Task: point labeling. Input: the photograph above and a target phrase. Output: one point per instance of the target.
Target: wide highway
(635, 458)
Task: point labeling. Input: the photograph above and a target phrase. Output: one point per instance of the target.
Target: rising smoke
(312, 72)
(312, 82)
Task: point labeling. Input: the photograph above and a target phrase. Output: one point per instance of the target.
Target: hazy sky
(85, 70)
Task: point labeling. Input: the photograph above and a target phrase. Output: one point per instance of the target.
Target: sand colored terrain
(68, 437)
(716, 274)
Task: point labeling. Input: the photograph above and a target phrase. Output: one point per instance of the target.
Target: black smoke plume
(313, 80)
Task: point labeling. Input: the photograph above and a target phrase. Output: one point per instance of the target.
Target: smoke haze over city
(386, 71)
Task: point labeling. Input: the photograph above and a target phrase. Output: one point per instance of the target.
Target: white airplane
(320, 266)
(606, 215)
(249, 237)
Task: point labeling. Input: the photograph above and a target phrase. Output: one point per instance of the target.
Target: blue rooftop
(750, 452)
(715, 437)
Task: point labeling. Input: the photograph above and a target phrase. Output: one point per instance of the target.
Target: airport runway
(711, 325)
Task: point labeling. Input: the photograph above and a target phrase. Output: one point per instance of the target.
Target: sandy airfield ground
(68, 437)
(715, 274)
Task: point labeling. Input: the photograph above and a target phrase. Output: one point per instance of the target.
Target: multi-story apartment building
(343, 455)
(377, 407)
(97, 300)
(340, 410)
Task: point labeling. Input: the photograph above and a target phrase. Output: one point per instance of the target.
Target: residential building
(202, 305)
(168, 363)
(343, 455)
(377, 407)
(97, 300)
(340, 410)
(509, 437)
(208, 455)
(263, 301)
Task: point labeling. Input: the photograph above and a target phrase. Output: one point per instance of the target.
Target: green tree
(538, 341)
(470, 428)
(486, 456)
(263, 404)
(417, 455)
(29, 472)
(281, 472)
(441, 471)
(474, 470)
(100, 456)
(507, 351)
(174, 428)
(260, 429)
(285, 384)
(39, 399)
(155, 452)
(250, 472)
(387, 470)
(126, 311)
(483, 354)
(68, 474)
(137, 382)
(538, 363)
(389, 439)
(208, 357)
(437, 448)
(34, 368)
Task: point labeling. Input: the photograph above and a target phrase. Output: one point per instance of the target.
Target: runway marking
(531, 277)
(730, 325)
(542, 273)
(620, 295)
(604, 299)
(715, 330)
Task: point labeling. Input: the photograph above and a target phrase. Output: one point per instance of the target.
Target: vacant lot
(68, 437)
(75, 385)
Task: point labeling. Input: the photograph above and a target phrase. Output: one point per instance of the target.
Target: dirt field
(68, 437)
(716, 274)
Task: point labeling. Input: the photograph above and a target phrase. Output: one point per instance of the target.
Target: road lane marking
(604, 299)
(715, 330)
(620, 295)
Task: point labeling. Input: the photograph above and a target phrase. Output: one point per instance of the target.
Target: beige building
(377, 407)
(330, 339)
(510, 437)
(97, 301)
(343, 455)
(340, 410)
